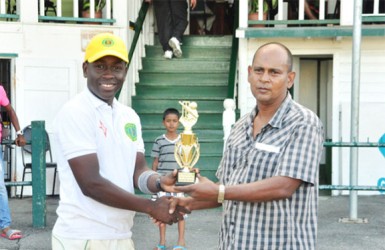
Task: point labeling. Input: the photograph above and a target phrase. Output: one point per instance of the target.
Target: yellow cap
(105, 44)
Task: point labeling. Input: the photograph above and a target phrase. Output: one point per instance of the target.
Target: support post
(355, 105)
(38, 144)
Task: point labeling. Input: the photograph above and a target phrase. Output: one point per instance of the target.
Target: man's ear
(290, 80)
(85, 69)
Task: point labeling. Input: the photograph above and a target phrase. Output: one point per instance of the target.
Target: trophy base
(184, 178)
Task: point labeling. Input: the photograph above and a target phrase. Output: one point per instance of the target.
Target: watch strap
(221, 193)
(158, 185)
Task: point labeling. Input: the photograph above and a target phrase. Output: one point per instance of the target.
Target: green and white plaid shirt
(289, 145)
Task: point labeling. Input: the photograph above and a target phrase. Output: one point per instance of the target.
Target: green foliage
(253, 5)
(99, 5)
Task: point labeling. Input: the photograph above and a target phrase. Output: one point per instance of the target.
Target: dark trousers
(171, 19)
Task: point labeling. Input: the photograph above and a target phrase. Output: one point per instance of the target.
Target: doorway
(5, 81)
(313, 89)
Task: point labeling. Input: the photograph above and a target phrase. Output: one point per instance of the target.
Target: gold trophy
(187, 148)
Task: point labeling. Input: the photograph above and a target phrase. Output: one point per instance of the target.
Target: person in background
(100, 156)
(5, 215)
(268, 176)
(171, 20)
(164, 162)
(311, 11)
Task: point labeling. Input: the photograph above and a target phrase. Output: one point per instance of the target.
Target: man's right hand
(161, 211)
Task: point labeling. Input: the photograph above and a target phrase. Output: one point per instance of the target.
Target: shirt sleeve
(76, 137)
(302, 154)
(4, 101)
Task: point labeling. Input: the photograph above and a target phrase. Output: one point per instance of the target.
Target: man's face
(105, 77)
(269, 75)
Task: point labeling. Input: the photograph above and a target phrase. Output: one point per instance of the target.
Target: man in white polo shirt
(100, 154)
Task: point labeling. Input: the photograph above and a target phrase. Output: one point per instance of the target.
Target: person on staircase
(5, 215)
(171, 19)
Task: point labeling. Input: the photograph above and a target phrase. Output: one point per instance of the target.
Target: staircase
(201, 76)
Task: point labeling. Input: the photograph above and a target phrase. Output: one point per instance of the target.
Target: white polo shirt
(87, 125)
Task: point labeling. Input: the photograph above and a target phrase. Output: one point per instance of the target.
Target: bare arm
(193, 3)
(20, 140)
(140, 167)
(309, 12)
(86, 171)
(155, 164)
(274, 188)
(193, 204)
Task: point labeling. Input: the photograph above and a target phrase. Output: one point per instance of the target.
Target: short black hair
(170, 111)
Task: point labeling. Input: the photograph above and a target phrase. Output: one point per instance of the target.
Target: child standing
(164, 162)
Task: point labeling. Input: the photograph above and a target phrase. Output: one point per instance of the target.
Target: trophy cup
(187, 148)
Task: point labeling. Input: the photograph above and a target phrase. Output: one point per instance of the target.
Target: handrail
(137, 27)
(330, 144)
(298, 22)
(366, 18)
(9, 16)
(353, 144)
(234, 54)
(76, 19)
(351, 188)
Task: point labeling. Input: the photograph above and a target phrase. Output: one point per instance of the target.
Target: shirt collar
(96, 101)
(286, 105)
(276, 120)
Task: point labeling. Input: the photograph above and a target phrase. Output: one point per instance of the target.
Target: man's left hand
(205, 190)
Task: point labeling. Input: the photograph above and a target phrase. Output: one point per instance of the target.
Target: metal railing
(136, 26)
(234, 55)
(327, 15)
(330, 144)
(38, 183)
(12, 13)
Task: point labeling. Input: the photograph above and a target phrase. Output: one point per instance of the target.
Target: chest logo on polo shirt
(130, 130)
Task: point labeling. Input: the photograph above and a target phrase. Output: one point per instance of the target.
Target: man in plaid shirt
(268, 176)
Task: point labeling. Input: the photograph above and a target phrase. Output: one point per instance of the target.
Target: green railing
(76, 20)
(330, 144)
(295, 22)
(137, 27)
(234, 54)
(9, 16)
(38, 183)
(366, 18)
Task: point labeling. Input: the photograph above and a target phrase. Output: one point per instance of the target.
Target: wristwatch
(20, 132)
(157, 184)
(221, 193)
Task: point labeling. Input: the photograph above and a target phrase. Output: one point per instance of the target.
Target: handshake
(171, 209)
